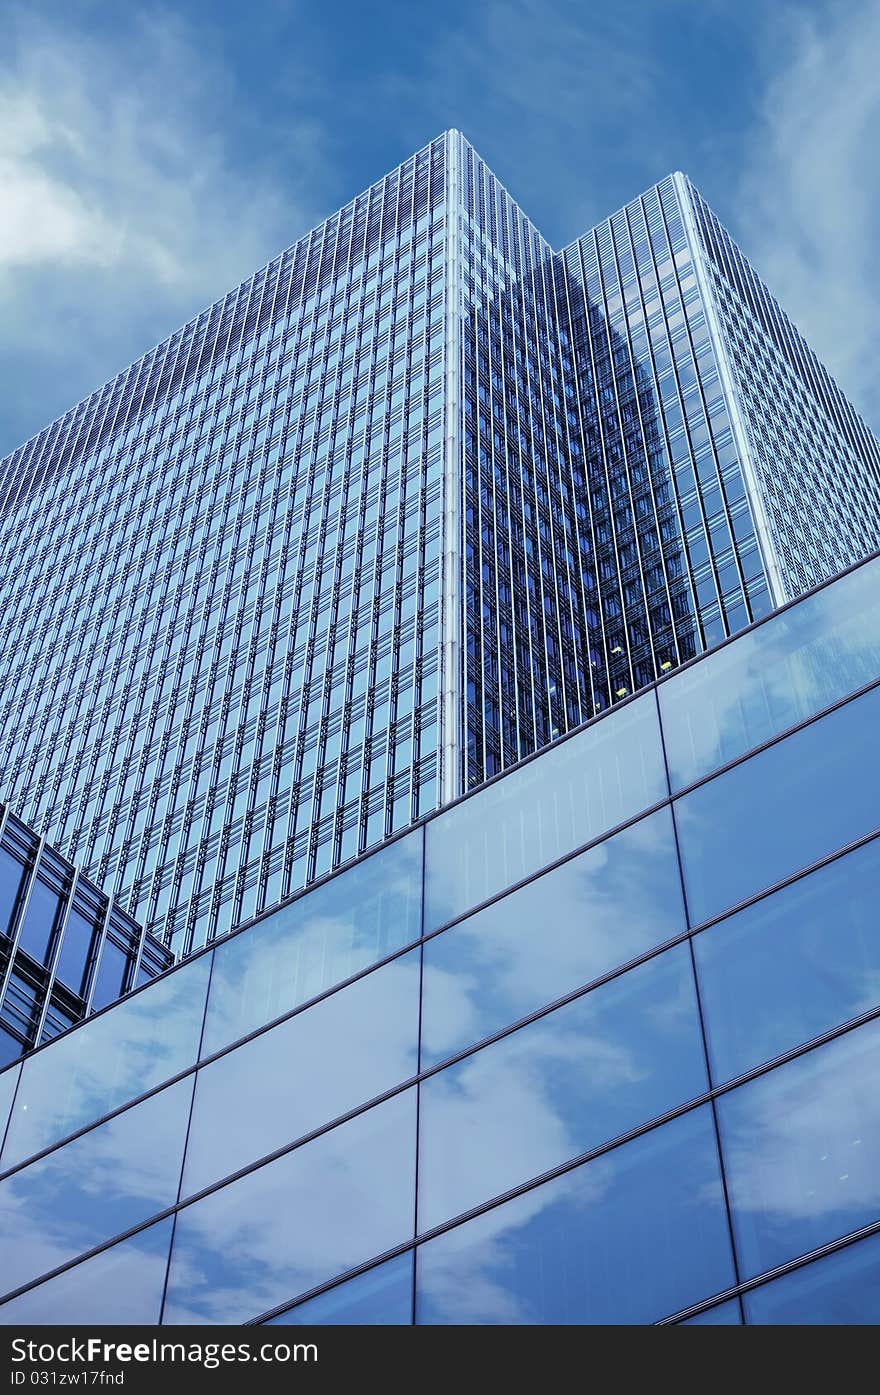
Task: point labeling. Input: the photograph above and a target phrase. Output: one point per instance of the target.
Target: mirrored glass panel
(323, 938)
(299, 1221)
(554, 935)
(782, 810)
(796, 664)
(111, 1059)
(576, 791)
(319, 1064)
(615, 1058)
(98, 1186)
(8, 1082)
(802, 1150)
(631, 1237)
(793, 965)
(11, 879)
(843, 1288)
(381, 1296)
(118, 1286)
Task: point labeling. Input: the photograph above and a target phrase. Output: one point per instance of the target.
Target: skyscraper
(416, 498)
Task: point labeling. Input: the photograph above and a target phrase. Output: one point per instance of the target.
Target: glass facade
(66, 949)
(417, 498)
(624, 1074)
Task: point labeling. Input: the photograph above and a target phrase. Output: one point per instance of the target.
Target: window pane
(108, 1060)
(783, 809)
(8, 1082)
(778, 675)
(577, 1078)
(803, 1150)
(631, 1237)
(39, 921)
(578, 789)
(101, 1184)
(793, 965)
(111, 975)
(75, 948)
(839, 1289)
(296, 1077)
(299, 1221)
(552, 936)
(11, 875)
(315, 942)
(725, 1315)
(383, 1295)
(120, 1285)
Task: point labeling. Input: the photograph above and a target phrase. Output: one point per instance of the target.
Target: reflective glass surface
(552, 936)
(118, 1286)
(319, 1064)
(802, 1150)
(73, 960)
(107, 1061)
(11, 877)
(778, 675)
(101, 1184)
(575, 792)
(783, 809)
(298, 1221)
(316, 942)
(381, 1296)
(8, 1082)
(842, 1288)
(630, 1237)
(793, 965)
(39, 921)
(615, 1058)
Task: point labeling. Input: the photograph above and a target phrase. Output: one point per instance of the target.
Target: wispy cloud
(125, 206)
(809, 194)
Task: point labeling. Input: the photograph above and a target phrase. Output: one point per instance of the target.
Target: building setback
(417, 498)
(598, 1043)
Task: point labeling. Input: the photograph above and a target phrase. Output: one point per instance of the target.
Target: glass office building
(417, 498)
(598, 1043)
(66, 949)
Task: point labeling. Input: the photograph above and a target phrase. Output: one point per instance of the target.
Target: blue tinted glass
(11, 1047)
(811, 656)
(315, 942)
(631, 1237)
(383, 1295)
(8, 1082)
(841, 1288)
(782, 809)
(101, 1184)
(337, 1054)
(554, 935)
(573, 793)
(299, 1221)
(793, 965)
(108, 1060)
(111, 975)
(11, 874)
(39, 921)
(802, 1150)
(74, 956)
(577, 1078)
(120, 1285)
(724, 1315)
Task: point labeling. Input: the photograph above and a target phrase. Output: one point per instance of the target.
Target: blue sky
(152, 156)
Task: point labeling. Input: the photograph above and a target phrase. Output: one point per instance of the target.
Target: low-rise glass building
(597, 1043)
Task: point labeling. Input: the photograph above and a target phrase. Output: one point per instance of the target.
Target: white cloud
(809, 196)
(125, 208)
